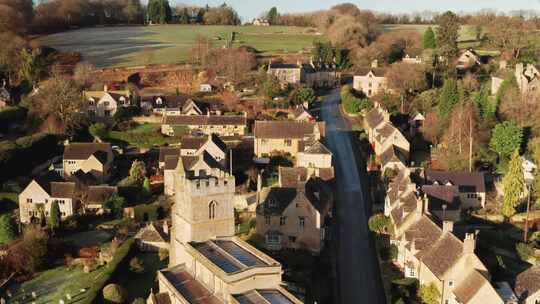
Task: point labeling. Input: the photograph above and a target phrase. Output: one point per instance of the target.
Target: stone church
(208, 264)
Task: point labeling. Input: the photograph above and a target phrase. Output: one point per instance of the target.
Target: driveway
(358, 275)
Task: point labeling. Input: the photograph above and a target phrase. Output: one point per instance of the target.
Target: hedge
(95, 291)
(10, 115)
(352, 103)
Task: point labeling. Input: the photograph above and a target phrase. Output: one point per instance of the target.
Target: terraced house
(223, 125)
(433, 254)
(88, 158)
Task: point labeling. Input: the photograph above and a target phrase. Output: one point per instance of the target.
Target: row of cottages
(74, 183)
(527, 77)
(286, 137)
(175, 105)
(208, 264)
(223, 125)
(433, 254)
(314, 74)
(104, 104)
(388, 143)
(36, 199)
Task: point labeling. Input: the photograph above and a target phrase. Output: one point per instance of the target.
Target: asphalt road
(358, 275)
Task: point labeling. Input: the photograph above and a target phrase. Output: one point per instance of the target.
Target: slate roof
(393, 154)
(286, 129)
(277, 201)
(465, 181)
(82, 151)
(378, 72)
(62, 189)
(468, 287)
(315, 147)
(408, 203)
(195, 143)
(385, 131)
(100, 194)
(153, 234)
(424, 232)
(374, 117)
(164, 152)
(290, 177)
(443, 254)
(170, 162)
(204, 120)
(528, 282)
(45, 180)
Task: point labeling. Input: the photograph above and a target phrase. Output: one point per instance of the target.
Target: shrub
(8, 232)
(114, 293)
(136, 265)
(525, 251)
(379, 223)
(99, 130)
(429, 294)
(352, 103)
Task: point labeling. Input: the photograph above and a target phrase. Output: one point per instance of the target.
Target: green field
(139, 45)
(144, 136)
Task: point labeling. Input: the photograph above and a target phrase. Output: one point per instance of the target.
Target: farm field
(168, 44)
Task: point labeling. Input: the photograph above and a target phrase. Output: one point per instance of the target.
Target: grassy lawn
(138, 285)
(89, 238)
(138, 45)
(52, 285)
(145, 136)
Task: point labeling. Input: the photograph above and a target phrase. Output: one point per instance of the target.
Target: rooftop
(82, 151)
(192, 290)
(286, 129)
(204, 120)
(465, 181)
(228, 255)
(260, 296)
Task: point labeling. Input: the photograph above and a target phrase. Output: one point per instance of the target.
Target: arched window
(212, 210)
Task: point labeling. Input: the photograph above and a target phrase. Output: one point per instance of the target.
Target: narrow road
(358, 275)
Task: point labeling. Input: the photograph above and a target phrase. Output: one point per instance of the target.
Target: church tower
(204, 205)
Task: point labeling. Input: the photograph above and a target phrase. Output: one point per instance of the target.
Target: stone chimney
(447, 226)
(419, 211)
(469, 243)
(375, 63)
(105, 88)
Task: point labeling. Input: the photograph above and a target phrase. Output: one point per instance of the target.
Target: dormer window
(159, 101)
(272, 203)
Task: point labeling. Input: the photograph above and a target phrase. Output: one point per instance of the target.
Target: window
(301, 222)
(282, 220)
(212, 210)
(472, 195)
(267, 219)
(273, 238)
(29, 200)
(264, 141)
(288, 142)
(412, 273)
(106, 103)
(450, 283)
(370, 85)
(292, 239)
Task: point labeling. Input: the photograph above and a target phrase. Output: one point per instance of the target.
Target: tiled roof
(152, 233)
(170, 162)
(468, 287)
(82, 151)
(378, 72)
(286, 129)
(100, 194)
(385, 131)
(204, 120)
(465, 181)
(424, 232)
(62, 190)
(443, 254)
(168, 151)
(446, 194)
(374, 118)
(393, 154)
(528, 282)
(407, 206)
(315, 147)
(277, 201)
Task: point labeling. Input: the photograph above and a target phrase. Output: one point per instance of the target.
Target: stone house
(36, 198)
(295, 218)
(527, 78)
(528, 286)
(97, 196)
(301, 114)
(191, 146)
(314, 155)
(223, 125)
(393, 158)
(432, 254)
(93, 158)
(285, 137)
(371, 81)
(153, 237)
(104, 104)
(470, 185)
(208, 264)
(260, 22)
(374, 119)
(387, 136)
(468, 59)
(314, 74)
(172, 105)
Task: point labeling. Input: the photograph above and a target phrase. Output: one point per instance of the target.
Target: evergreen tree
(273, 16)
(8, 232)
(137, 171)
(159, 11)
(513, 186)
(449, 97)
(506, 138)
(429, 41)
(54, 216)
(448, 34)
